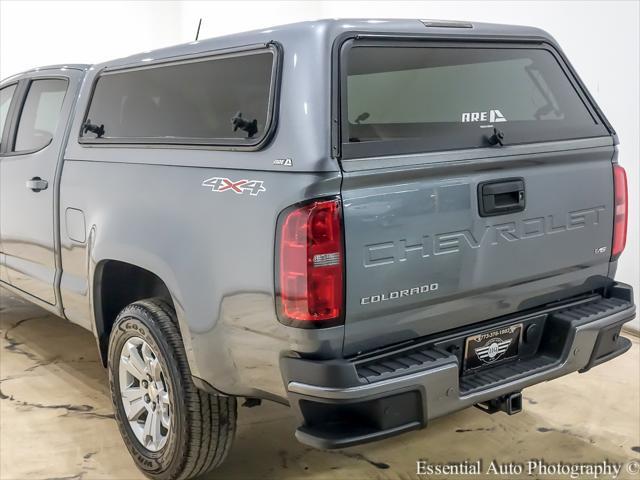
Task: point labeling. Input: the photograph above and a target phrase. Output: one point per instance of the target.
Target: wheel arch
(115, 285)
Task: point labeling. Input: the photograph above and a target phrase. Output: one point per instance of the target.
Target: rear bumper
(341, 403)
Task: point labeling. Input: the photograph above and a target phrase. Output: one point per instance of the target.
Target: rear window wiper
(90, 127)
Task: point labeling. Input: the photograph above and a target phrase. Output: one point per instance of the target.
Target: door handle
(499, 197)
(36, 184)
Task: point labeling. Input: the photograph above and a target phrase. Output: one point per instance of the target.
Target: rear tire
(172, 429)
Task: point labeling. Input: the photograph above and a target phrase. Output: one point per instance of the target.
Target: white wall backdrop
(602, 39)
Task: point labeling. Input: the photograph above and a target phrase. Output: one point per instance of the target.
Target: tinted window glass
(186, 102)
(40, 114)
(6, 94)
(452, 98)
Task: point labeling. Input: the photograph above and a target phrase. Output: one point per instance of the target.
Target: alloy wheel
(145, 394)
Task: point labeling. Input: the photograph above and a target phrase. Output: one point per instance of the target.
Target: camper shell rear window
(422, 97)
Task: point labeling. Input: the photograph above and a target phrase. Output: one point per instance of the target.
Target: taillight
(310, 263)
(621, 210)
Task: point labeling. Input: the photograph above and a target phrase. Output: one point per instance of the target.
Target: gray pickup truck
(375, 222)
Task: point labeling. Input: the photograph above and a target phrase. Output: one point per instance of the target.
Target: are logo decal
(221, 184)
(283, 162)
(492, 116)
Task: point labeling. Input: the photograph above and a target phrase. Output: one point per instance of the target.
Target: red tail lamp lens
(621, 211)
(311, 263)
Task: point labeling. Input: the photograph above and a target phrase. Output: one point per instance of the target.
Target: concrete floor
(56, 419)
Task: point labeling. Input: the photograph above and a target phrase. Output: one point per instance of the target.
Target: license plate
(493, 346)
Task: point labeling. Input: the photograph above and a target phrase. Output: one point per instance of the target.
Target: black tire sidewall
(137, 321)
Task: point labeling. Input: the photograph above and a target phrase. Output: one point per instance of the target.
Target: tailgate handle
(499, 197)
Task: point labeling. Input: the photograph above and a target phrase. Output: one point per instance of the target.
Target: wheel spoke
(148, 426)
(131, 369)
(163, 398)
(152, 432)
(134, 404)
(164, 408)
(156, 434)
(165, 419)
(156, 370)
(147, 354)
(134, 362)
(132, 393)
(136, 409)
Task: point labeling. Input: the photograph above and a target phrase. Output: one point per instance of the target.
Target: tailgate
(442, 229)
(420, 259)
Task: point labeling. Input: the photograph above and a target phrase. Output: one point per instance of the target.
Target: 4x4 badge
(221, 184)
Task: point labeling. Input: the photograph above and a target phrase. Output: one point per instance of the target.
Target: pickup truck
(375, 222)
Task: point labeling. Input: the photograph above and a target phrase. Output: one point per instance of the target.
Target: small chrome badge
(283, 162)
(600, 250)
(493, 349)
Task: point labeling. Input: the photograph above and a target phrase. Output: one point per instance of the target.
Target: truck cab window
(40, 114)
(6, 94)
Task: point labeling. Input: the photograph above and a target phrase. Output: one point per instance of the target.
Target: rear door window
(6, 94)
(188, 102)
(404, 99)
(40, 114)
